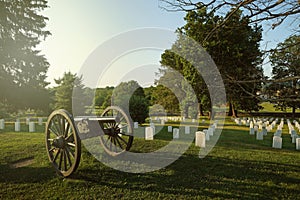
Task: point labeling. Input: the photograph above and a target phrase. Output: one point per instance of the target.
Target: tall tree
(22, 67)
(285, 60)
(234, 48)
(164, 97)
(64, 93)
(130, 97)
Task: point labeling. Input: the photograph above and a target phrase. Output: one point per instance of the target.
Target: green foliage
(64, 91)
(164, 97)
(286, 63)
(23, 68)
(131, 98)
(234, 48)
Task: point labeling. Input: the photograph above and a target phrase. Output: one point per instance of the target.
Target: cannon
(65, 132)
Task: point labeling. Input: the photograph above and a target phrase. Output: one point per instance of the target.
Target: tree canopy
(130, 97)
(22, 66)
(285, 60)
(235, 50)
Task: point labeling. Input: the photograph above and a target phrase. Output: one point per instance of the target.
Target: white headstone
(40, 121)
(206, 134)
(31, 127)
(293, 132)
(203, 121)
(17, 126)
(175, 133)
(277, 142)
(149, 133)
(278, 133)
(187, 130)
(294, 137)
(135, 125)
(210, 131)
(298, 144)
(264, 130)
(152, 125)
(252, 131)
(200, 139)
(259, 135)
(169, 129)
(193, 120)
(256, 128)
(2, 124)
(162, 122)
(215, 125)
(27, 120)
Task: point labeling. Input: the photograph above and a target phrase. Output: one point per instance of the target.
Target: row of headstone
(150, 131)
(164, 119)
(17, 123)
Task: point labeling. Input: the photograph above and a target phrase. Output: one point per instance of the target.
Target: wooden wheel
(118, 134)
(62, 142)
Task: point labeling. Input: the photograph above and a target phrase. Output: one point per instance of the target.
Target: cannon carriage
(65, 132)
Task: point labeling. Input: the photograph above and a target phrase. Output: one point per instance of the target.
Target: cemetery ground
(238, 167)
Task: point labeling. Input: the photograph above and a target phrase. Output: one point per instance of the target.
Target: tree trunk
(211, 115)
(200, 109)
(230, 110)
(293, 112)
(186, 111)
(234, 112)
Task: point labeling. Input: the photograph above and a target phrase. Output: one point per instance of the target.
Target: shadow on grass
(26, 174)
(209, 177)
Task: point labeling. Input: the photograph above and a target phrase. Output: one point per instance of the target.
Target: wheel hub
(59, 142)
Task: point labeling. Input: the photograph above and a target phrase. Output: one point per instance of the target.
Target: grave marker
(149, 133)
(175, 133)
(31, 127)
(277, 142)
(200, 139)
(252, 131)
(17, 126)
(206, 135)
(40, 121)
(2, 124)
(187, 130)
(259, 136)
(298, 144)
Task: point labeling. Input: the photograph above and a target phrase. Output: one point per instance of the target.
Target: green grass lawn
(238, 167)
(268, 107)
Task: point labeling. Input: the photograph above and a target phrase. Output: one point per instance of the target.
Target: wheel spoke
(122, 140)
(70, 138)
(68, 156)
(63, 126)
(52, 149)
(57, 127)
(71, 144)
(53, 128)
(67, 130)
(119, 142)
(60, 160)
(56, 156)
(70, 151)
(65, 160)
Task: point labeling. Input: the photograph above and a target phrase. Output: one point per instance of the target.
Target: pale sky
(78, 27)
